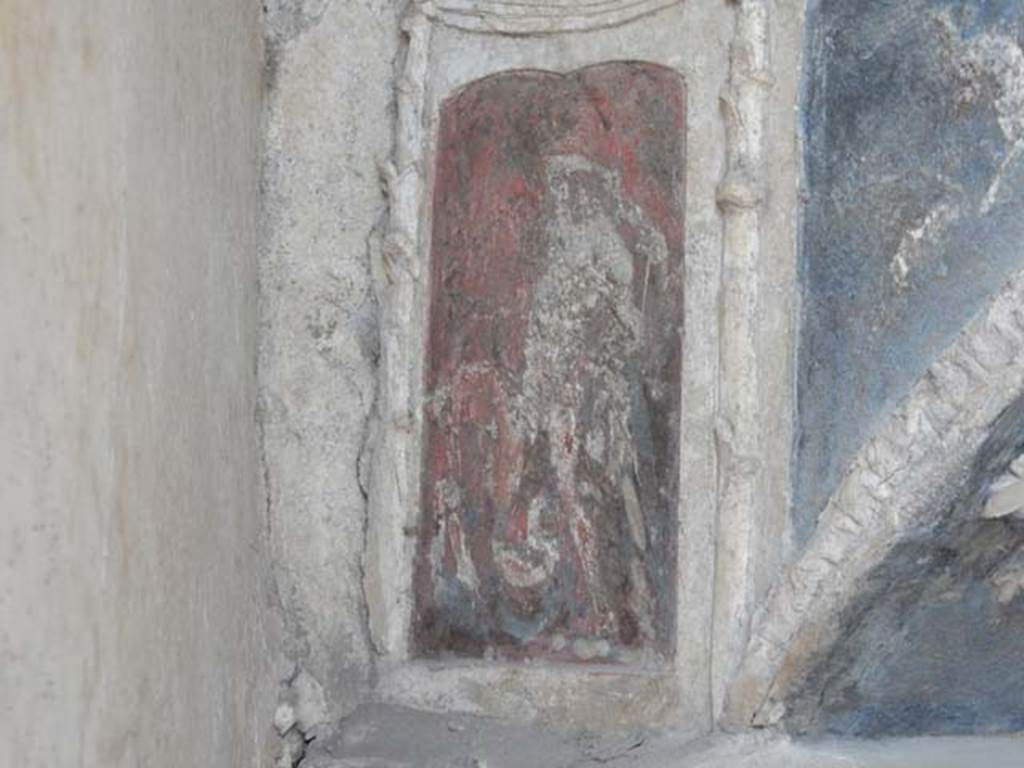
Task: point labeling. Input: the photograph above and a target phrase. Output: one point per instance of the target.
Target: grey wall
(914, 192)
(134, 628)
(328, 129)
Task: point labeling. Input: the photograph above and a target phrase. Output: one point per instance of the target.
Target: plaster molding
(741, 500)
(539, 17)
(394, 484)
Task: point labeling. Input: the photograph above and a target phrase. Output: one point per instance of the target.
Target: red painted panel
(553, 358)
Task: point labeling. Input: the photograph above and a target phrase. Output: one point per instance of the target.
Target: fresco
(914, 191)
(550, 480)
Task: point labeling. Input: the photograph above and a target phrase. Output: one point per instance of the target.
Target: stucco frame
(721, 396)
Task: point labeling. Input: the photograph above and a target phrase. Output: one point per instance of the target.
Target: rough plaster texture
(328, 130)
(134, 623)
(894, 266)
(914, 141)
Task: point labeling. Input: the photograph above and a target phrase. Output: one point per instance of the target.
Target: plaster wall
(328, 131)
(910, 195)
(134, 621)
(454, 58)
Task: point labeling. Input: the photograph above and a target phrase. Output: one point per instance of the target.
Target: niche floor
(379, 736)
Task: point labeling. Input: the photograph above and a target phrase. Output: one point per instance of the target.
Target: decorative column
(738, 436)
(394, 483)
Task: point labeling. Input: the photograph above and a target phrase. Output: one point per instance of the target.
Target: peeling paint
(914, 122)
(917, 243)
(549, 490)
(997, 57)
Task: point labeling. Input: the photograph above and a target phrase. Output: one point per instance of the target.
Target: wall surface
(328, 129)
(134, 622)
(914, 183)
(902, 612)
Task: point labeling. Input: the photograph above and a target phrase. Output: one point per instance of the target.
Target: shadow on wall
(914, 139)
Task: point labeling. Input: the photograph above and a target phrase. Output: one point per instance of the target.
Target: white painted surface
(134, 617)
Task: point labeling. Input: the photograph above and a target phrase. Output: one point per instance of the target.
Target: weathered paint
(550, 480)
(915, 186)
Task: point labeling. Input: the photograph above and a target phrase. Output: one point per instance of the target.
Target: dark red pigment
(550, 481)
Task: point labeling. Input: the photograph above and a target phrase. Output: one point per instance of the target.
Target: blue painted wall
(902, 131)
